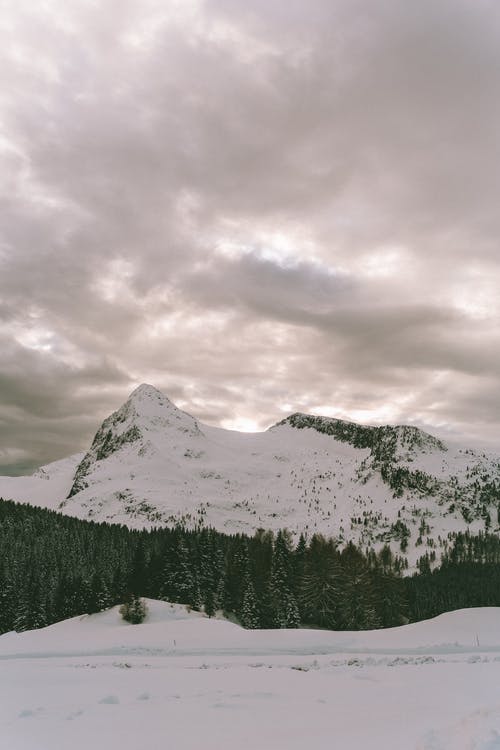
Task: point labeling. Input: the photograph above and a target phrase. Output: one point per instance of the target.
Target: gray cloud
(258, 207)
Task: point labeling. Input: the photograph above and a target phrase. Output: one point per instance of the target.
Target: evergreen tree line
(53, 567)
(468, 576)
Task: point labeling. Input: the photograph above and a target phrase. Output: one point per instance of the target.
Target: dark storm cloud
(256, 206)
(44, 402)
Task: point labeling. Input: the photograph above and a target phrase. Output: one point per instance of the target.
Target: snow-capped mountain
(151, 464)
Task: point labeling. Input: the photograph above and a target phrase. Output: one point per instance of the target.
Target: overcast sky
(258, 206)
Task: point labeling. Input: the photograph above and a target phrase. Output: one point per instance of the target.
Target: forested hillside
(54, 567)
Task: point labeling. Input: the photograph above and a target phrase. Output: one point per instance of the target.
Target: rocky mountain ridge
(151, 464)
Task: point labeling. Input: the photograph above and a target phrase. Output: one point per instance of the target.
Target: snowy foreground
(183, 681)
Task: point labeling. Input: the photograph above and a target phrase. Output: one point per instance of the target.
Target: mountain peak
(147, 401)
(142, 426)
(145, 391)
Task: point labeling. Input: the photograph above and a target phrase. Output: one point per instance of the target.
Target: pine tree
(209, 603)
(179, 584)
(389, 592)
(286, 611)
(134, 610)
(289, 612)
(236, 572)
(139, 576)
(249, 613)
(22, 614)
(321, 585)
(99, 598)
(298, 563)
(358, 604)
(261, 556)
(7, 603)
(220, 588)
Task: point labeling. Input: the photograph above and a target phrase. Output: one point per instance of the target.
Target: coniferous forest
(53, 567)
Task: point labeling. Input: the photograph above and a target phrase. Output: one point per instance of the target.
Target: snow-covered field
(183, 681)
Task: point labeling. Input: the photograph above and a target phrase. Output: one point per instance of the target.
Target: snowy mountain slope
(151, 463)
(45, 486)
(181, 680)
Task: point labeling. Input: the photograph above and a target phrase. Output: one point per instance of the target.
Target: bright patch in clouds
(476, 294)
(39, 339)
(285, 250)
(241, 424)
(384, 263)
(115, 281)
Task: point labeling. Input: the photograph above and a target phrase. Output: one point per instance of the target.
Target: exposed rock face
(386, 443)
(146, 410)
